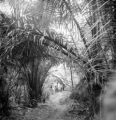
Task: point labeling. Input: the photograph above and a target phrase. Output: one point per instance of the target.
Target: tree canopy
(36, 35)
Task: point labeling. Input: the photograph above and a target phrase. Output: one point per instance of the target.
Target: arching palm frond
(23, 39)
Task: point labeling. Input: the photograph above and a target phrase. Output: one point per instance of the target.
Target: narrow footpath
(54, 109)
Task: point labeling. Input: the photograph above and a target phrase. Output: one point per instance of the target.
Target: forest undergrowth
(56, 108)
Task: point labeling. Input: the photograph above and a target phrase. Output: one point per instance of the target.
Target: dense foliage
(29, 48)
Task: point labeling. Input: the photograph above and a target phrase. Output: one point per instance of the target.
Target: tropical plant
(27, 39)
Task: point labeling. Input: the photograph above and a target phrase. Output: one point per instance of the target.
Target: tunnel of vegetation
(30, 46)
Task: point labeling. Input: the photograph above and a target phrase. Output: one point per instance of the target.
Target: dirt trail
(58, 100)
(57, 103)
(54, 109)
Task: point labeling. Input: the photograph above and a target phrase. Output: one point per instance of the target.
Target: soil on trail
(54, 109)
